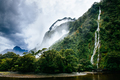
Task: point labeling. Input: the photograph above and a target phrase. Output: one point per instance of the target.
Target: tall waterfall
(97, 41)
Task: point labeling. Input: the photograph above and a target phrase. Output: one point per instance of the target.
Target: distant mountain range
(16, 50)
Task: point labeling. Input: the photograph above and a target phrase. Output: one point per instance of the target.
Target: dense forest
(74, 52)
(50, 61)
(81, 36)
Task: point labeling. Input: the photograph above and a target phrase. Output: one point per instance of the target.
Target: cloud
(6, 45)
(14, 16)
(51, 10)
(24, 22)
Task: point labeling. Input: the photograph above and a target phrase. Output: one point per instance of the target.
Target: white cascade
(97, 41)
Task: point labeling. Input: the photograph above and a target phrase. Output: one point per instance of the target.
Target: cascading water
(97, 41)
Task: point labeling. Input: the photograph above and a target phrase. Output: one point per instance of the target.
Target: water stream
(97, 41)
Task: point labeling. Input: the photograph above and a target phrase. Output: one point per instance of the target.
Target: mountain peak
(63, 20)
(17, 48)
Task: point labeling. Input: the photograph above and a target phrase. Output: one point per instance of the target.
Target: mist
(56, 32)
(24, 22)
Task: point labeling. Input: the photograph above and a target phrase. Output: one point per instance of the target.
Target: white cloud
(38, 15)
(50, 11)
(6, 45)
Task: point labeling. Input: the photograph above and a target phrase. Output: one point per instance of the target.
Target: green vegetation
(81, 35)
(50, 61)
(110, 35)
(73, 53)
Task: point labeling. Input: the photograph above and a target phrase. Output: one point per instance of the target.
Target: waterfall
(97, 41)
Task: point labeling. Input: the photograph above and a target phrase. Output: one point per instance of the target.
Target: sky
(24, 22)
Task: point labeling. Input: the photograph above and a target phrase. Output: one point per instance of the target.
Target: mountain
(92, 42)
(58, 30)
(82, 35)
(94, 37)
(60, 21)
(16, 50)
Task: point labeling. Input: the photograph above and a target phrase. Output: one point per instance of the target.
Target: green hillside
(73, 53)
(81, 35)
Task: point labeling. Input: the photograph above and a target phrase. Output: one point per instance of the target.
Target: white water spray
(97, 41)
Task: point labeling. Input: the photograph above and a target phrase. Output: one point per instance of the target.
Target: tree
(52, 61)
(0, 56)
(48, 62)
(5, 64)
(85, 65)
(112, 61)
(26, 63)
(8, 55)
(70, 60)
